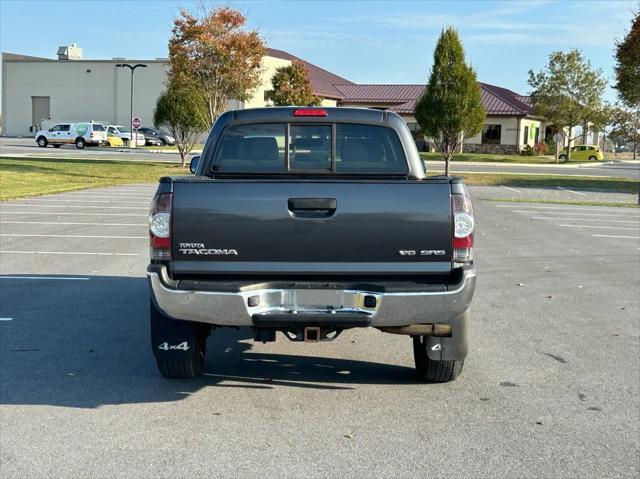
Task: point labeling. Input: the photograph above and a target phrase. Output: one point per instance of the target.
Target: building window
(526, 135)
(491, 134)
(413, 127)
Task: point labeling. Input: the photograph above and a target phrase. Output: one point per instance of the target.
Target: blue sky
(363, 41)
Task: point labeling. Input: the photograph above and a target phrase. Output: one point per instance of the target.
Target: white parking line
(102, 194)
(569, 208)
(78, 200)
(6, 319)
(511, 189)
(600, 227)
(577, 214)
(107, 197)
(571, 191)
(73, 236)
(62, 278)
(69, 252)
(582, 219)
(69, 213)
(78, 206)
(612, 236)
(61, 223)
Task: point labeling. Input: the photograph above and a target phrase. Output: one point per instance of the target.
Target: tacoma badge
(199, 249)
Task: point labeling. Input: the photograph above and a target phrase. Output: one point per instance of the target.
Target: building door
(40, 108)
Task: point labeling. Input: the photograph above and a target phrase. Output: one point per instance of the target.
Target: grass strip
(21, 177)
(488, 158)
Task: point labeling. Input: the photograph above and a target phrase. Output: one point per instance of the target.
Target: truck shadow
(231, 362)
(85, 343)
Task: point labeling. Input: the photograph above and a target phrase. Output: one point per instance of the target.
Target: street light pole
(134, 134)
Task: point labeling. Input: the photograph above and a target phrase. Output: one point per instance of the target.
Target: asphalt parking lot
(551, 386)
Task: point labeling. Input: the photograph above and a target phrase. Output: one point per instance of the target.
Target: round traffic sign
(136, 122)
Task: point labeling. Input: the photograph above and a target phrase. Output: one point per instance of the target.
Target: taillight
(310, 112)
(464, 224)
(160, 226)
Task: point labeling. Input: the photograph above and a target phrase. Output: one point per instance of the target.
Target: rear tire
(430, 370)
(593, 158)
(563, 157)
(80, 143)
(182, 365)
(42, 142)
(180, 368)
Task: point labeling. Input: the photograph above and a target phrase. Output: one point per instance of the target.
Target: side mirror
(193, 166)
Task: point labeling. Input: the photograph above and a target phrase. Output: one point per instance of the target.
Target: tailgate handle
(312, 207)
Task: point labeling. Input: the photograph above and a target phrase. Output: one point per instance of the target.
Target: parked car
(583, 153)
(125, 135)
(80, 134)
(308, 222)
(114, 141)
(151, 140)
(163, 136)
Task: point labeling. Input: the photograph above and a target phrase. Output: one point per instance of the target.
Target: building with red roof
(39, 91)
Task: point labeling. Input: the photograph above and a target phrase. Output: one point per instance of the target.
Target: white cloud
(531, 22)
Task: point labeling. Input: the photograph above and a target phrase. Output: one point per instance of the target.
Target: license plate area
(314, 300)
(300, 301)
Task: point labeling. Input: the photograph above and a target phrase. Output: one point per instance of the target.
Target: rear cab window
(327, 148)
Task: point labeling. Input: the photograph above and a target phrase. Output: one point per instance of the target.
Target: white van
(80, 134)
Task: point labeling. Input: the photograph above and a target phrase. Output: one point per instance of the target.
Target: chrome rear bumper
(311, 306)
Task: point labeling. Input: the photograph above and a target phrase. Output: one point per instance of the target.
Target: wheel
(162, 142)
(563, 157)
(42, 142)
(430, 370)
(57, 146)
(107, 144)
(179, 346)
(593, 158)
(80, 143)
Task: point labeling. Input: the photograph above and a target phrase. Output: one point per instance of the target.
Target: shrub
(527, 151)
(541, 148)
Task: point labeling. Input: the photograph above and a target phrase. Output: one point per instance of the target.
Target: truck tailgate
(311, 227)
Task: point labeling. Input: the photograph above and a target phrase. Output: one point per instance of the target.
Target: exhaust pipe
(439, 330)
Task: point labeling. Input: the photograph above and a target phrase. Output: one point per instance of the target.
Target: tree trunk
(568, 159)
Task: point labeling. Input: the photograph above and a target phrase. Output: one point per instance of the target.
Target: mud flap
(175, 339)
(450, 348)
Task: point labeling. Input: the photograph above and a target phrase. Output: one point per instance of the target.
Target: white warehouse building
(36, 89)
(38, 92)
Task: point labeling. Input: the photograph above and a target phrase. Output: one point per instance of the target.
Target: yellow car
(115, 141)
(583, 152)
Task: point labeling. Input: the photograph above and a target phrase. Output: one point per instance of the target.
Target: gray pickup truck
(310, 221)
